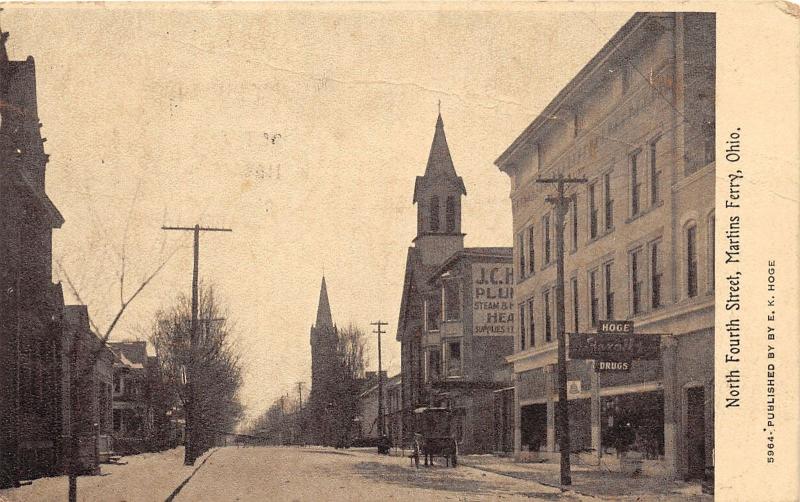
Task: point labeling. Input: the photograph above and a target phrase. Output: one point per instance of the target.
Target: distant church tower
(438, 197)
(323, 346)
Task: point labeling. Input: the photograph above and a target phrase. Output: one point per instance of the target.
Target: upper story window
(709, 132)
(636, 185)
(434, 214)
(637, 281)
(608, 202)
(592, 210)
(522, 337)
(531, 261)
(575, 304)
(433, 311)
(608, 269)
(452, 300)
(450, 214)
(691, 261)
(573, 210)
(546, 238)
(454, 358)
(531, 322)
(548, 319)
(656, 274)
(522, 267)
(655, 173)
(593, 301)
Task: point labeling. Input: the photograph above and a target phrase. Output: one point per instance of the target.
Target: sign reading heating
(493, 299)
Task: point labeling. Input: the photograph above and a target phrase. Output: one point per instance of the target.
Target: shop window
(608, 202)
(454, 359)
(609, 289)
(434, 214)
(522, 336)
(531, 322)
(691, 261)
(548, 320)
(433, 311)
(637, 284)
(450, 214)
(452, 300)
(634, 422)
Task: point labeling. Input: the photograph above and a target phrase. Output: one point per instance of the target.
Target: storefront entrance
(533, 427)
(695, 432)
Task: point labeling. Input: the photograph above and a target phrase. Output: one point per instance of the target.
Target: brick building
(637, 122)
(30, 304)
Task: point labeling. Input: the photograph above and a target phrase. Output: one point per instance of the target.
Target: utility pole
(300, 391)
(191, 450)
(561, 204)
(378, 330)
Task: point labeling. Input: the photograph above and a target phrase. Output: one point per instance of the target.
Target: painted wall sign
(493, 299)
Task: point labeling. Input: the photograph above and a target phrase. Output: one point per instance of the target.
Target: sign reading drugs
(614, 347)
(493, 299)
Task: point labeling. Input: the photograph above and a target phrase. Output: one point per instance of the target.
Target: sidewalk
(592, 481)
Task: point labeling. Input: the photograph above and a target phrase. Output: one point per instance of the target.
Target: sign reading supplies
(493, 299)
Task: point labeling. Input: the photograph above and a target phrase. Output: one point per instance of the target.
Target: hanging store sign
(492, 299)
(612, 366)
(614, 347)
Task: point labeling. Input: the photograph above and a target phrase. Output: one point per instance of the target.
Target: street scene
(295, 253)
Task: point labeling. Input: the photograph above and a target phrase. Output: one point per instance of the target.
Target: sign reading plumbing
(493, 299)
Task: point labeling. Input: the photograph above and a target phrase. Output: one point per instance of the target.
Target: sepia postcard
(346, 251)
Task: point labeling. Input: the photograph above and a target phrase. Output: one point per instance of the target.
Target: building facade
(638, 123)
(456, 313)
(31, 305)
(134, 421)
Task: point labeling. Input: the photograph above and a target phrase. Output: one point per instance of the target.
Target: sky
(302, 128)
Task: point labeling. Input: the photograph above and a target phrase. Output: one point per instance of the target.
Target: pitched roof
(324, 317)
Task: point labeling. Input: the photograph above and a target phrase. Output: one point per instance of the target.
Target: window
(592, 211)
(548, 321)
(531, 263)
(691, 261)
(450, 214)
(593, 298)
(546, 238)
(709, 131)
(433, 311)
(711, 253)
(573, 204)
(521, 240)
(452, 300)
(636, 281)
(531, 322)
(636, 185)
(575, 311)
(454, 359)
(433, 365)
(434, 216)
(656, 273)
(609, 289)
(608, 202)
(655, 173)
(522, 336)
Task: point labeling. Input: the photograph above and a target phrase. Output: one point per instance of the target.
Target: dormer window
(434, 214)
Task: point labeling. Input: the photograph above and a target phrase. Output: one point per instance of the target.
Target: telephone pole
(561, 204)
(300, 391)
(378, 330)
(191, 447)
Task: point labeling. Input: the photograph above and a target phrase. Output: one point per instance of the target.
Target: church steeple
(324, 317)
(438, 197)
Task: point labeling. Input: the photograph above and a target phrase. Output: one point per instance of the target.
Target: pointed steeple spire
(324, 318)
(439, 161)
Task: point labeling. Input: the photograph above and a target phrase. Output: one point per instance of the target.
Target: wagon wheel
(454, 455)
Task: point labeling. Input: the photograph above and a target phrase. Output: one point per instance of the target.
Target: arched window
(434, 216)
(690, 243)
(450, 214)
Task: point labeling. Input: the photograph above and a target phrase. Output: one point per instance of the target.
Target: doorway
(695, 433)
